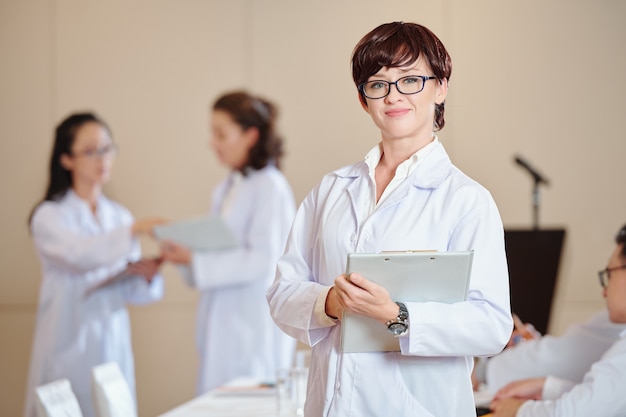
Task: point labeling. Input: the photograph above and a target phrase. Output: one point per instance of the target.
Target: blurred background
(541, 78)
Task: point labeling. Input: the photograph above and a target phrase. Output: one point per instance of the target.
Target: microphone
(536, 175)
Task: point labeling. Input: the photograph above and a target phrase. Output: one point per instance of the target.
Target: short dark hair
(251, 111)
(620, 239)
(399, 44)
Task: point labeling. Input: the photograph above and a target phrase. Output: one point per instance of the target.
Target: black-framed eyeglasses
(107, 150)
(605, 274)
(411, 84)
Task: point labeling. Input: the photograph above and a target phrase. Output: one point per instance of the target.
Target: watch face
(397, 328)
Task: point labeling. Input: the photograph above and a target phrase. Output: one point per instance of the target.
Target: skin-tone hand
(475, 381)
(175, 253)
(145, 226)
(529, 389)
(147, 268)
(507, 407)
(355, 294)
(521, 332)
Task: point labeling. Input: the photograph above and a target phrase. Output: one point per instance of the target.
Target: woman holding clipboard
(235, 334)
(405, 195)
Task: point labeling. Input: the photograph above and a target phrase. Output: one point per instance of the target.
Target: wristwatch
(400, 325)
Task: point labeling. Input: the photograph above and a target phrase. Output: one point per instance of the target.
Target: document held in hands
(408, 276)
(201, 234)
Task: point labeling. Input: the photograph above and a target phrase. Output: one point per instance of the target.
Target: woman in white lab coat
(82, 239)
(601, 391)
(405, 195)
(236, 336)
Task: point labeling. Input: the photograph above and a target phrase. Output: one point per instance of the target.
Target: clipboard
(408, 276)
(200, 234)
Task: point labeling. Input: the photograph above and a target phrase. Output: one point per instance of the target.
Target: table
(240, 398)
(244, 398)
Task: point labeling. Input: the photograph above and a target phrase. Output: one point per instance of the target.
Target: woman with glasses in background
(404, 195)
(601, 393)
(85, 240)
(235, 334)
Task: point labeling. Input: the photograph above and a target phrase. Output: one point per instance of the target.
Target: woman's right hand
(175, 253)
(529, 389)
(356, 294)
(145, 226)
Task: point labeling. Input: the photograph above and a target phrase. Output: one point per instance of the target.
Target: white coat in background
(436, 207)
(568, 356)
(74, 333)
(235, 334)
(601, 392)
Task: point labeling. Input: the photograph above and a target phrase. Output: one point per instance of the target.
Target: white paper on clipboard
(408, 276)
(200, 234)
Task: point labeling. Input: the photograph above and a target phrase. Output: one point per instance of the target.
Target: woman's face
(92, 153)
(402, 116)
(230, 141)
(615, 291)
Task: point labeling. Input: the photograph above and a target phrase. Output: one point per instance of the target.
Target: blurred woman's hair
(248, 112)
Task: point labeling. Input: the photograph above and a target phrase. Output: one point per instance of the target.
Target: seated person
(568, 356)
(602, 386)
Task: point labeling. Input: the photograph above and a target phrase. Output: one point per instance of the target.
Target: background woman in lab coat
(235, 333)
(83, 238)
(405, 195)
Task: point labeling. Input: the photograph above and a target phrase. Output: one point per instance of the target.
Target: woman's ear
(252, 136)
(363, 102)
(442, 91)
(66, 162)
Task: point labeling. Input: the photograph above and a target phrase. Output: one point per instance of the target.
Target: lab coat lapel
(87, 220)
(359, 190)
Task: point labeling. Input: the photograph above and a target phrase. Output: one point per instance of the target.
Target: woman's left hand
(360, 296)
(176, 253)
(507, 407)
(530, 389)
(147, 268)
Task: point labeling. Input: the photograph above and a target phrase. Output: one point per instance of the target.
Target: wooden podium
(533, 257)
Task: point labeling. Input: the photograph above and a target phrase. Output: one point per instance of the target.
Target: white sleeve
(62, 247)
(555, 387)
(255, 257)
(568, 356)
(600, 393)
(482, 324)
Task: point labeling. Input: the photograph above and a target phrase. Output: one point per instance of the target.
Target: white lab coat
(236, 336)
(601, 393)
(568, 356)
(436, 208)
(74, 333)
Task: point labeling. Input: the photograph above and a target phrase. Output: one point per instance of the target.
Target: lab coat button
(337, 385)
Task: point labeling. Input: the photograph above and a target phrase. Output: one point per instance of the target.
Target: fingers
(146, 268)
(174, 252)
(358, 295)
(530, 388)
(146, 226)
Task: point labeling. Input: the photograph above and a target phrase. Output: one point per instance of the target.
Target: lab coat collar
(430, 173)
(85, 213)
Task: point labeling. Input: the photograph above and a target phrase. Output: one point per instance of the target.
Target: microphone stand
(536, 197)
(536, 203)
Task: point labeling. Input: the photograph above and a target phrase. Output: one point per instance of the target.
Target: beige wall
(540, 78)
